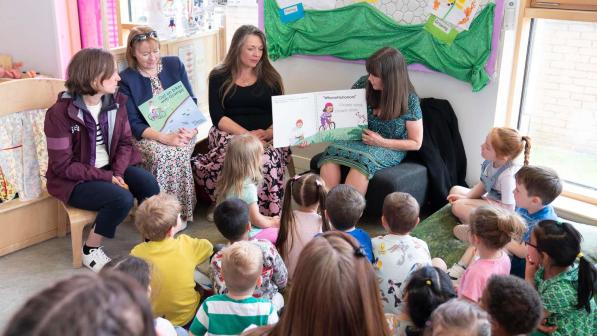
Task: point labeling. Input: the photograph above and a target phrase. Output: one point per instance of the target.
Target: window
(559, 101)
(553, 90)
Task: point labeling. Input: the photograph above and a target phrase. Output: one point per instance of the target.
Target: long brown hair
(508, 142)
(243, 161)
(496, 226)
(305, 190)
(334, 292)
(232, 63)
(388, 64)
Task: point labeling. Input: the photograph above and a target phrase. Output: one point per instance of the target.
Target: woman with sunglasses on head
(166, 155)
(240, 91)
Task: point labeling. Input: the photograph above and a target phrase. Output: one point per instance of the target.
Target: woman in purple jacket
(91, 157)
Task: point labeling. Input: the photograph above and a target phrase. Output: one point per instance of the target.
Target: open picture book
(306, 118)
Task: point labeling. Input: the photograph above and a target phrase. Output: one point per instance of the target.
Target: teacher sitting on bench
(395, 124)
(240, 101)
(166, 155)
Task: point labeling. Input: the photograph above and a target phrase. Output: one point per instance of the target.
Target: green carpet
(436, 230)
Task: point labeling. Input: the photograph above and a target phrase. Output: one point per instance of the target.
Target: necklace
(246, 81)
(148, 74)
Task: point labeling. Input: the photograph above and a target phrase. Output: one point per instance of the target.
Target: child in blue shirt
(344, 207)
(536, 188)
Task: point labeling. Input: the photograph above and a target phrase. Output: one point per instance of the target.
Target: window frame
(527, 11)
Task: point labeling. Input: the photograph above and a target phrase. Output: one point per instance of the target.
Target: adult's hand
(173, 139)
(119, 181)
(373, 138)
(188, 133)
(260, 134)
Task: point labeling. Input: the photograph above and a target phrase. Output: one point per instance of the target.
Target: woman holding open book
(240, 91)
(166, 155)
(395, 124)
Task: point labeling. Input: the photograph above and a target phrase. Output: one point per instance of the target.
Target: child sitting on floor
(536, 188)
(298, 227)
(513, 304)
(233, 312)
(173, 260)
(502, 145)
(564, 278)
(459, 317)
(398, 254)
(491, 229)
(427, 288)
(344, 208)
(232, 220)
(241, 174)
(140, 270)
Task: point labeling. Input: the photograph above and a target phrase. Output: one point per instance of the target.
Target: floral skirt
(171, 167)
(207, 167)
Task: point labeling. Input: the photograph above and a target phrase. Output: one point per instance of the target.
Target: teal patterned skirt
(355, 154)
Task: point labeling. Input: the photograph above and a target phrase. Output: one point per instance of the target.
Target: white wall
(476, 112)
(29, 33)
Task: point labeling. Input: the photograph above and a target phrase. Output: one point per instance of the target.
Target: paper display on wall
(187, 57)
(171, 110)
(459, 13)
(318, 117)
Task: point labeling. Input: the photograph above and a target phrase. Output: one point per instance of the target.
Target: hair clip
(360, 252)
(428, 282)
(579, 255)
(318, 183)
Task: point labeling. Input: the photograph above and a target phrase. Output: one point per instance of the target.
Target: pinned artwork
(459, 13)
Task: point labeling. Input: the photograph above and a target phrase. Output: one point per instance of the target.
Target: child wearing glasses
(536, 188)
(564, 278)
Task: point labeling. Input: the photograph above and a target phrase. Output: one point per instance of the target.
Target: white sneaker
(455, 272)
(96, 259)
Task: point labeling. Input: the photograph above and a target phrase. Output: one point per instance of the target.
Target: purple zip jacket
(70, 135)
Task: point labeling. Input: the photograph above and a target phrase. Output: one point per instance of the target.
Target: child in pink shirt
(299, 226)
(491, 229)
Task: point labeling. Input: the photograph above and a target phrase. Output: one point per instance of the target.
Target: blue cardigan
(138, 89)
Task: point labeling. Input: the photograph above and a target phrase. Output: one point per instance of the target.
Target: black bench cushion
(408, 176)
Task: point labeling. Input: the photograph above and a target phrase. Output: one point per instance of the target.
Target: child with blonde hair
(459, 318)
(491, 229)
(240, 177)
(502, 145)
(299, 226)
(565, 279)
(233, 312)
(173, 260)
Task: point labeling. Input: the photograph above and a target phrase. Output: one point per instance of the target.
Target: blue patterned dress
(369, 159)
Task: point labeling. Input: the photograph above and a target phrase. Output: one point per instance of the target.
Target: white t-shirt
(101, 154)
(396, 257)
(505, 184)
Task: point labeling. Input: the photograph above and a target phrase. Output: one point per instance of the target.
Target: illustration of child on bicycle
(326, 117)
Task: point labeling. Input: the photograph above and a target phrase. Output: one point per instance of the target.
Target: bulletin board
(352, 30)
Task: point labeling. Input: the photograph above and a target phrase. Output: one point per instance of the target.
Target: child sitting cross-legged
(513, 304)
(344, 208)
(536, 188)
(173, 260)
(233, 312)
(491, 229)
(232, 220)
(398, 254)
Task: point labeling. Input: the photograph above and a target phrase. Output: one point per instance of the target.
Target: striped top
(222, 315)
(101, 154)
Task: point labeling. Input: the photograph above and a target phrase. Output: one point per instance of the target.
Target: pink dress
(475, 277)
(308, 224)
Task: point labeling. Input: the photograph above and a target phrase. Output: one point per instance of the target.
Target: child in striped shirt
(235, 311)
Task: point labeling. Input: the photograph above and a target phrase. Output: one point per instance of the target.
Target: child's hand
(275, 221)
(455, 197)
(548, 329)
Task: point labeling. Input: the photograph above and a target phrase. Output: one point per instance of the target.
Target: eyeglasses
(528, 243)
(143, 37)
